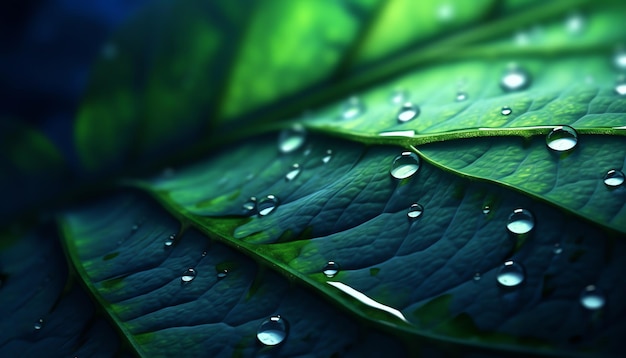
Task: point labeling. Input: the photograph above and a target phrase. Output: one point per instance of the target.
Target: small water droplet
(328, 156)
(291, 139)
(331, 269)
(510, 274)
(506, 110)
(399, 96)
(415, 211)
(562, 139)
(461, 96)
(575, 23)
(515, 79)
(620, 87)
(272, 331)
(188, 276)
(521, 221)
(249, 206)
(614, 178)
(204, 253)
(170, 240)
(352, 108)
(308, 151)
(477, 276)
(222, 274)
(592, 298)
(620, 59)
(267, 205)
(557, 249)
(408, 112)
(134, 228)
(293, 173)
(404, 165)
(39, 324)
(486, 209)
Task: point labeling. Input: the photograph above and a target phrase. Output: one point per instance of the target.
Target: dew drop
(188, 276)
(557, 249)
(620, 87)
(222, 274)
(170, 240)
(515, 79)
(134, 228)
(461, 96)
(592, 298)
(562, 139)
(293, 173)
(399, 96)
(249, 206)
(620, 59)
(404, 165)
(272, 331)
(510, 274)
(352, 108)
(477, 276)
(39, 324)
(486, 209)
(331, 269)
(521, 221)
(506, 110)
(415, 211)
(204, 253)
(291, 139)
(614, 178)
(267, 205)
(408, 112)
(328, 156)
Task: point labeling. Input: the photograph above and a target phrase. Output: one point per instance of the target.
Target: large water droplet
(293, 173)
(614, 178)
(328, 156)
(562, 139)
(188, 276)
(461, 96)
(352, 108)
(331, 269)
(521, 221)
(510, 274)
(592, 298)
(415, 211)
(272, 331)
(408, 112)
(249, 206)
(39, 324)
(404, 165)
(506, 110)
(291, 139)
(515, 79)
(399, 96)
(267, 205)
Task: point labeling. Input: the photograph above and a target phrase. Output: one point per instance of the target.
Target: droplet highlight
(399, 96)
(486, 209)
(291, 139)
(477, 277)
(461, 96)
(521, 221)
(506, 110)
(352, 108)
(620, 87)
(326, 158)
(592, 298)
(293, 172)
(614, 178)
(620, 59)
(415, 211)
(557, 249)
(272, 331)
(170, 241)
(405, 165)
(331, 269)
(515, 79)
(562, 139)
(267, 205)
(249, 206)
(188, 276)
(510, 274)
(222, 274)
(408, 112)
(38, 325)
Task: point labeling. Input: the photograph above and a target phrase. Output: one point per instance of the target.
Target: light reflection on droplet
(408, 112)
(506, 110)
(352, 108)
(291, 139)
(293, 172)
(592, 298)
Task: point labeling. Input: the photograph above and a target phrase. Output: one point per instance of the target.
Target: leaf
(44, 312)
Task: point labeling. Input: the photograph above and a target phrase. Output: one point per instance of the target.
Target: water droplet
(575, 23)
(515, 79)
(521, 221)
(415, 211)
(461, 96)
(562, 139)
(620, 87)
(557, 249)
(134, 228)
(267, 205)
(614, 178)
(328, 156)
(331, 269)
(510, 274)
(39, 324)
(486, 209)
(352, 108)
(592, 298)
(620, 59)
(170, 240)
(272, 331)
(307, 151)
(399, 96)
(204, 253)
(291, 139)
(408, 133)
(477, 276)
(405, 165)
(188, 276)
(408, 112)
(222, 274)
(506, 110)
(249, 205)
(293, 173)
